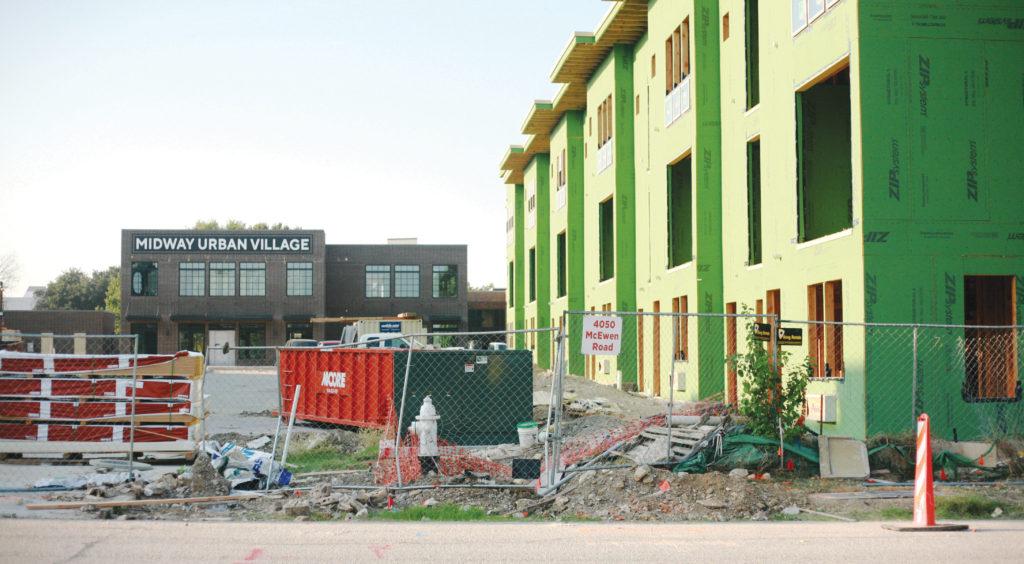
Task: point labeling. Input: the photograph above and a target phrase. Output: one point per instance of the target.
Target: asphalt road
(156, 541)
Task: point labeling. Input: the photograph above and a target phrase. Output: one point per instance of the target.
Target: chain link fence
(65, 399)
(873, 380)
(397, 411)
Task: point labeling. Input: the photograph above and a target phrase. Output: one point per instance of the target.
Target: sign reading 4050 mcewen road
(167, 243)
(602, 334)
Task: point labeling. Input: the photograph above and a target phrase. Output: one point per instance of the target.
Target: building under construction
(821, 160)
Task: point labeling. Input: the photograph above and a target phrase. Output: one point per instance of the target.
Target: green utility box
(480, 395)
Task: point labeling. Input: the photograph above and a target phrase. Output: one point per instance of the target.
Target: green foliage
(236, 224)
(112, 302)
(770, 397)
(442, 512)
(75, 290)
(964, 506)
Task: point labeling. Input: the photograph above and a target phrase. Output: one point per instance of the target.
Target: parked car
(292, 343)
(382, 341)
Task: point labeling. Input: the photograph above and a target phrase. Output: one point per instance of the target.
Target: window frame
(190, 267)
(373, 274)
(436, 283)
(220, 268)
(825, 338)
(402, 271)
(246, 271)
(298, 267)
(148, 277)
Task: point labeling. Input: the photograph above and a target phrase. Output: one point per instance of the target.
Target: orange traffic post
(924, 490)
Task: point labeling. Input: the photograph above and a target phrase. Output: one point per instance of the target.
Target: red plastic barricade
(95, 388)
(341, 386)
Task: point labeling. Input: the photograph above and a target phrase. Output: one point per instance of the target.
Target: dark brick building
(384, 280)
(183, 289)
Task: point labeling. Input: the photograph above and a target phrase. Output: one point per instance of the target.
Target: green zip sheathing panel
(520, 267)
(708, 160)
(539, 170)
(625, 206)
(480, 396)
(575, 233)
(942, 105)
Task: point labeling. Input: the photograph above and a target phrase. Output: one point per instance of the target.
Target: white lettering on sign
(333, 382)
(602, 334)
(207, 243)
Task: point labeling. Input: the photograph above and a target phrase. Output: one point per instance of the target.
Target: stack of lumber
(68, 404)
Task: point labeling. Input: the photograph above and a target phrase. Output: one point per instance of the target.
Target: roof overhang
(541, 118)
(625, 23)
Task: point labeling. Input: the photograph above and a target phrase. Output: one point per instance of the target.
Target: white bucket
(527, 433)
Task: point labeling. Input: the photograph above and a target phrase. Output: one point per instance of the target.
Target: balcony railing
(604, 156)
(677, 102)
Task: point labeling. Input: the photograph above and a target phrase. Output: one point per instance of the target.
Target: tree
(9, 269)
(75, 290)
(112, 301)
(485, 288)
(206, 225)
(235, 224)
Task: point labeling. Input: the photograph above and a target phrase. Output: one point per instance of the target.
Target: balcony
(677, 102)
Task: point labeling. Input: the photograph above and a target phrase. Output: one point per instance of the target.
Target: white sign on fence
(602, 334)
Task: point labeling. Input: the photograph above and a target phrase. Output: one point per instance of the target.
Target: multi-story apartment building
(823, 160)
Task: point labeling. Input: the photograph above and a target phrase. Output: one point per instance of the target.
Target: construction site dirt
(346, 486)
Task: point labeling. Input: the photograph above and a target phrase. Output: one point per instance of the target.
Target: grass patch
(964, 506)
(442, 512)
(327, 457)
(896, 514)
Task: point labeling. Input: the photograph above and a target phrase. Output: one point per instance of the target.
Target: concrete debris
(205, 478)
(641, 472)
(997, 512)
(585, 407)
(791, 511)
(738, 473)
(297, 507)
(430, 502)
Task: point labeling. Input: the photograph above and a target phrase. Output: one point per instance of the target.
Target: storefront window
(300, 279)
(222, 279)
(192, 337)
(298, 331)
(144, 278)
(147, 337)
(252, 335)
(252, 278)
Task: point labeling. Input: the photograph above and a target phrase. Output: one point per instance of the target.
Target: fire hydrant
(425, 428)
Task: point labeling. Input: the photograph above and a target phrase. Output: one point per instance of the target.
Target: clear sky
(368, 119)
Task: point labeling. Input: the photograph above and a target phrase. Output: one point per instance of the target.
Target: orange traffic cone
(924, 493)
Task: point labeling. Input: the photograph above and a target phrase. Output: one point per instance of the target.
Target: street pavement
(23, 540)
